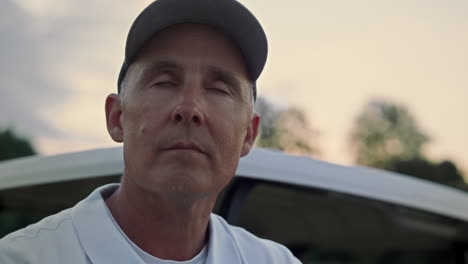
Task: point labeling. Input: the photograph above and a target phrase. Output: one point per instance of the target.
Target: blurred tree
(12, 146)
(445, 172)
(386, 132)
(268, 136)
(386, 136)
(285, 129)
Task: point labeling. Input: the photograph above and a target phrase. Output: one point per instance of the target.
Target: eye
(164, 84)
(218, 90)
(218, 87)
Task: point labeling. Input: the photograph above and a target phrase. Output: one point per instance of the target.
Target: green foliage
(12, 146)
(384, 132)
(285, 129)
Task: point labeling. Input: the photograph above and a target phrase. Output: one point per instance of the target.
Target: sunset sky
(60, 58)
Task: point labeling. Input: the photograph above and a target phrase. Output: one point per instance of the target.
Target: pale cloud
(59, 61)
(25, 91)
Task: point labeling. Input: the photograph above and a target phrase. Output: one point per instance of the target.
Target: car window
(326, 227)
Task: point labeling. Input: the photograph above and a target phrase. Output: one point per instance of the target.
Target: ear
(113, 114)
(251, 135)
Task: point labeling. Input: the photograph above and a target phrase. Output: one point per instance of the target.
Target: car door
(323, 226)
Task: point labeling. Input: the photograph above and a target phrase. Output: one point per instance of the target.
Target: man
(185, 116)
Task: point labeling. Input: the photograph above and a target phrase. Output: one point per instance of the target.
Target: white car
(325, 213)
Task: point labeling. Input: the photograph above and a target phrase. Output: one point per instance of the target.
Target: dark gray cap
(228, 16)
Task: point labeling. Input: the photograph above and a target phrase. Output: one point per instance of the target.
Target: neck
(164, 227)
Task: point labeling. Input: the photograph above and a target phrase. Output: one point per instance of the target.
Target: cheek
(137, 122)
(230, 138)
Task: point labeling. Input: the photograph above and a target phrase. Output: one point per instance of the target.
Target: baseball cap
(228, 16)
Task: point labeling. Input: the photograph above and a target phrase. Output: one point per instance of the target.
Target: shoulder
(255, 248)
(50, 240)
(44, 228)
(21, 245)
(55, 239)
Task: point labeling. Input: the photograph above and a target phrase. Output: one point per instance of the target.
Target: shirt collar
(222, 248)
(103, 242)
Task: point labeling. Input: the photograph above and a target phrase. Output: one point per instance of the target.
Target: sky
(59, 59)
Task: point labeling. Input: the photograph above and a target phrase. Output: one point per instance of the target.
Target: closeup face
(185, 113)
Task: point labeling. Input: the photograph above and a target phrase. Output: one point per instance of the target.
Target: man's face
(185, 113)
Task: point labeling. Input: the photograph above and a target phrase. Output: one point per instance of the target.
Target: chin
(182, 180)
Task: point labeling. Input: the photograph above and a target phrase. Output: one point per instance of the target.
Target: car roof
(260, 164)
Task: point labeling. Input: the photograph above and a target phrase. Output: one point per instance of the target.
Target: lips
(185, 146)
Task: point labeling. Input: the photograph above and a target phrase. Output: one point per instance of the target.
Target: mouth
(185, 146)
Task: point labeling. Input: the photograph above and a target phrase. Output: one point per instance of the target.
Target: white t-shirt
(200, 258)
(149, 259)
(86, 234)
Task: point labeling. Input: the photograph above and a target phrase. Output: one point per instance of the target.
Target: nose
(187, 111)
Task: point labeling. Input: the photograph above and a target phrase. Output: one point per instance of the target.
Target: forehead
(190, 44)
